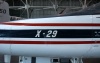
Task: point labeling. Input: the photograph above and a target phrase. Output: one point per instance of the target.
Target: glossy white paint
(77, 50)
(5, 49)
(94, 51)
(63, 19)
(52, 50)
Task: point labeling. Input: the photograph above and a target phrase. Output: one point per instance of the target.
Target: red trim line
(49, 42)
(53, 24)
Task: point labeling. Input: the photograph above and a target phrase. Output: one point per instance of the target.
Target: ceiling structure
(42, 8)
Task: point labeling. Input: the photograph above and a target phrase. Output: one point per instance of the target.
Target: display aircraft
(4, 11)
(75, 35)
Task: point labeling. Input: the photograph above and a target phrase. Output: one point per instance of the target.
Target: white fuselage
(52, 44)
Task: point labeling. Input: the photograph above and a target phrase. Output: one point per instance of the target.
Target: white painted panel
(5, 49)
(75, 50)
(94, 51)
(96, 19)
(62, 19)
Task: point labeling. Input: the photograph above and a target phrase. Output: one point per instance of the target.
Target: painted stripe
(57, 33)
(53, 24)
(9, 27)
(5, 27)
(50, 39)
(49, 42)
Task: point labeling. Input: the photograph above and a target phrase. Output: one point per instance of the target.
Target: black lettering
(3, 11)
(0, 10)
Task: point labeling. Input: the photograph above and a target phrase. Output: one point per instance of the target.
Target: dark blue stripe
(61, 33)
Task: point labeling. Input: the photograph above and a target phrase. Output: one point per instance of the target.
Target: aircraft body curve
(66, 36)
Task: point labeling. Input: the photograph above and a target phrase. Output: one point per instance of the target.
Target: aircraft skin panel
(5, 48)
(47, 50)
(94, 51)
(54, 50)
(51, 37)
(96, 18)
(63, 19)
(70, 36)
(48, 39)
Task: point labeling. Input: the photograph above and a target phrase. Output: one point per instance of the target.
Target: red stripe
(49, 42)
(53, 24)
